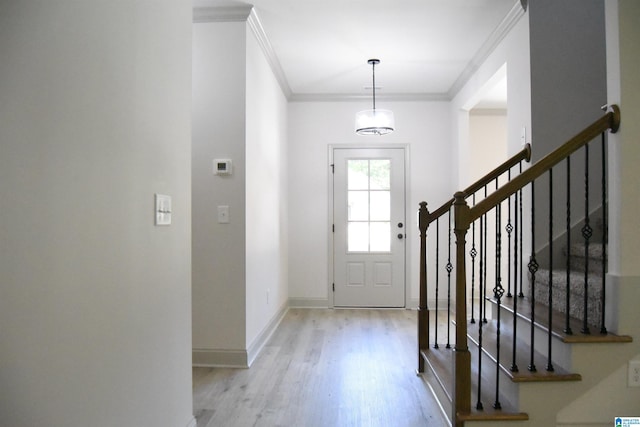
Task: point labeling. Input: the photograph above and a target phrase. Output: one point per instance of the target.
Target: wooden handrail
(524, 154)
(611, 120)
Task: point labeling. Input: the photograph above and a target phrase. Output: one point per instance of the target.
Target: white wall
(624, 151)
(568, 69)
(219, 263)
(510, 56)
(313, 126)
(613, 397)
(94, 299)
(266, 195)
(240, 268)
(487, 142)
(514, 52)
(568, 87)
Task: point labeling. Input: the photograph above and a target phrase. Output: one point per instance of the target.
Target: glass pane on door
(369, 205)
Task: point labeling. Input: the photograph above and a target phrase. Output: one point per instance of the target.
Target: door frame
(330, 219)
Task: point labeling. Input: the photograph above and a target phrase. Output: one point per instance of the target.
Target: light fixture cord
(373, 72)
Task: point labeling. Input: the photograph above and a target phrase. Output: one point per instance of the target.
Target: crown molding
(499, 33)
(263, 41)
(222, 13)
(248, 14)
(390, 97)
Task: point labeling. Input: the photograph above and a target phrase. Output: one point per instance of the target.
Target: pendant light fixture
(374, 122)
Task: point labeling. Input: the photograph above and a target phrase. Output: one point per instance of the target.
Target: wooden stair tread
(558, 323)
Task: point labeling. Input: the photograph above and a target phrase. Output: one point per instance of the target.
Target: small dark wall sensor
(222, 166)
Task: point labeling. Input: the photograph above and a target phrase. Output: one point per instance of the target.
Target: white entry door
(369, 227)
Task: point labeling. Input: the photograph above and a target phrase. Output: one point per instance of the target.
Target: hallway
(324, 368)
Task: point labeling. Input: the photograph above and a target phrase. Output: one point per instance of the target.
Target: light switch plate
(163, 209)
(223, 214)
(634, 373)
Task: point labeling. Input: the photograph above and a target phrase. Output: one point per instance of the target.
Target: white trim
(583, 424)
(407, 233)
(330, 227)
(224, 358)
(308, 303)
(269, 53)
(214, 358)
(247, 13)
(221, 14)
(494, 39)
(414, 304)
(263, 337)
(342, 97)
(192, 422)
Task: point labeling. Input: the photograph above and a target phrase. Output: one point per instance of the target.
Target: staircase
(501, 353)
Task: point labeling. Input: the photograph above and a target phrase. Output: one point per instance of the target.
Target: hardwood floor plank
(324, 368)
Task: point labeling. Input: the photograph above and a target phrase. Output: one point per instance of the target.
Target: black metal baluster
(587, 232)
(482, 278)
(437, 281)
(567, 317)
(509, 229)
(449, 269)
(483, 301)
(514, 365)
(498, 292)
(473, 252)
(550, 302)
(533, 267)
(520, 228)
(603, 329)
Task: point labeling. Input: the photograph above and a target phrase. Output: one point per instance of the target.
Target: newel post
(423, 309)
(462, 370)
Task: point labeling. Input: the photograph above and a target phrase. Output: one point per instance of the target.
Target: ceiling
(427, 48)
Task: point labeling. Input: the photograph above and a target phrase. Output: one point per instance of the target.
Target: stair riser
(578, 264)
(576, 304)
(508, 389)
(576, 282)
(561, 352)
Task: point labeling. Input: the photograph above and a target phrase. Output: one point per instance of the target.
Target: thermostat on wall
(222, 167)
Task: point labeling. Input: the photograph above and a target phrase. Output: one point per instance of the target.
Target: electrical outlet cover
(634, 373)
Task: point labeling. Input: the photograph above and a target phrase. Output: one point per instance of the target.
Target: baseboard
(589, 424)
(217, 358)
(431, 304)
(308, 302)
(213, 358)
(256, 346)
(192, 422)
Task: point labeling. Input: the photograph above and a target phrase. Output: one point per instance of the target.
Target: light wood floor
(324, 368)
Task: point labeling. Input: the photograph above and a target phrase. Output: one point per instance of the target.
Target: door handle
(400, 235)
(400, 225)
